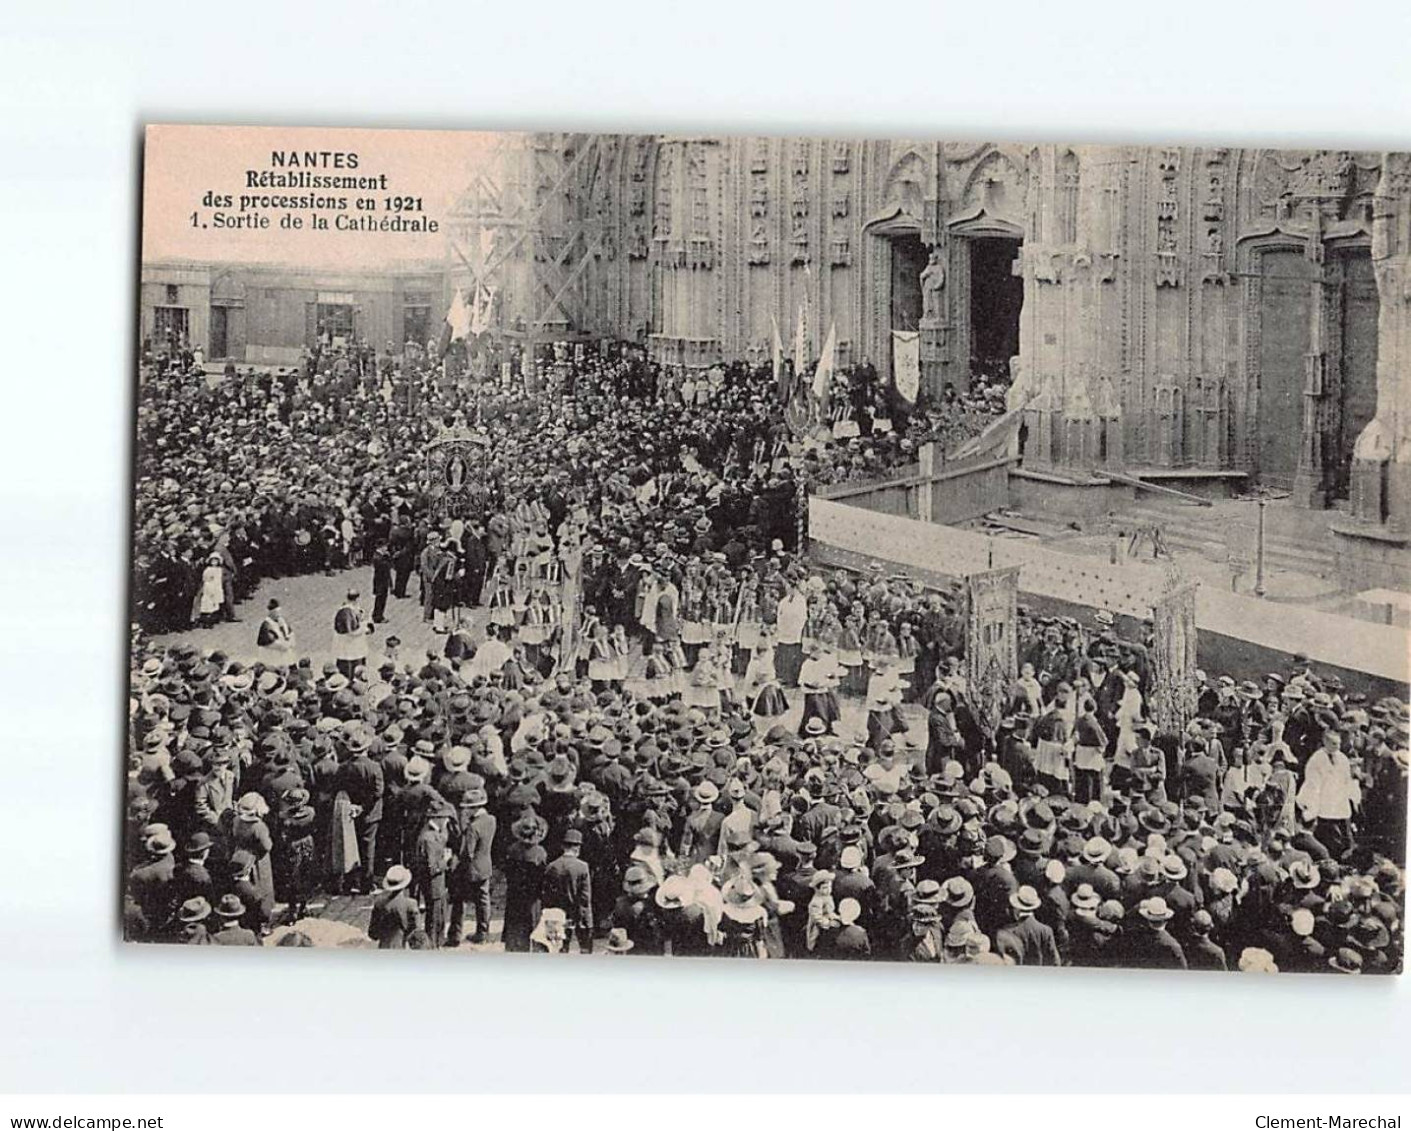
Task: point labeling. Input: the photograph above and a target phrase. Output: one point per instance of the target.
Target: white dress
(212, 590)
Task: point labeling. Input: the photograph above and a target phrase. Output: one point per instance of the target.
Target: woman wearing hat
(743, 920)
(295, 870)
(249, 832)
(524, 865)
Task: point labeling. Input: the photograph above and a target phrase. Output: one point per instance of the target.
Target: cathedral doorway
(909, 258)
(1285, 312)
(1358, 309)
(996, 298)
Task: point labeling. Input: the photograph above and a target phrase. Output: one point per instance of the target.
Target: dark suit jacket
(394, 917)
(701, 837)
(1152, 949)
(1029, 943)
(568, 884)
(361, 780)
(856, 885)
(477, 839)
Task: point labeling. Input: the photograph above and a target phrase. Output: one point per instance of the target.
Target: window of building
(335, 320)
(416, 316)
(170, 325)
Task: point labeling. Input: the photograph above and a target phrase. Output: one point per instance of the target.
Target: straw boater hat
(618, 942)
(1097, 850)
(1026, 899)
(959, 893)
(1086, 898)
(194, 910)
(1346, 961)
(929, 891)
(1154, 910)
(230, 906)
(397, 878)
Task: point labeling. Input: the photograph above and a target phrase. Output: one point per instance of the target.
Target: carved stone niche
(800, 157)
(842, 204)
(1169, 269)
(759, 155)
(842, 156)
(1212, 258)
(759, 244)
(759, 200)
(841, 251)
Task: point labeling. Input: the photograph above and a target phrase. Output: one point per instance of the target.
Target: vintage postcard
(771, 548)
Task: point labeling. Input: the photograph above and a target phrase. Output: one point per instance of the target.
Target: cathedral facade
(1216, 313)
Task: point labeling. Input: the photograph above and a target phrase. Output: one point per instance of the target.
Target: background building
(266, 314)
(1212, 316)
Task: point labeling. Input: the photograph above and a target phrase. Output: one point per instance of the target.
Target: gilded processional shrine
(1215, 313)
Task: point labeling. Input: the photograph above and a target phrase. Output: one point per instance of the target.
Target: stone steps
(1208, 535)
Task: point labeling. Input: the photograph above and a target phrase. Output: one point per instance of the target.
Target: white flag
(458, 317)
(823, 375)
(480, 317)
(906, 363)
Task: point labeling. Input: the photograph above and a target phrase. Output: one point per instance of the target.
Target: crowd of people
(607, 758)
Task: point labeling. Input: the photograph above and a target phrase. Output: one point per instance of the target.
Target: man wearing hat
(229, 911)
(360, 777)
(1025, 941)
(151, 883)
(1149, 944)
(430, 864)
(470, 878)
(394, 912)
(568, 885)
(852, 882)
(192, 875)
(1201, 951)
(700, 837)
(191, 922)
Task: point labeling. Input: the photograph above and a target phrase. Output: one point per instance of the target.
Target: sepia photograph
(770, 547)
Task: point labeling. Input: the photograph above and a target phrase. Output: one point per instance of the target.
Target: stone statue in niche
(933, 282)
(759, 244)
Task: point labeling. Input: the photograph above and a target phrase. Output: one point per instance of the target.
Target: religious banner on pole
(1173, 684)
(801, 340)
(823, 375)
(455, 462)
(906, 363)
(991, 646)
(780, 387)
